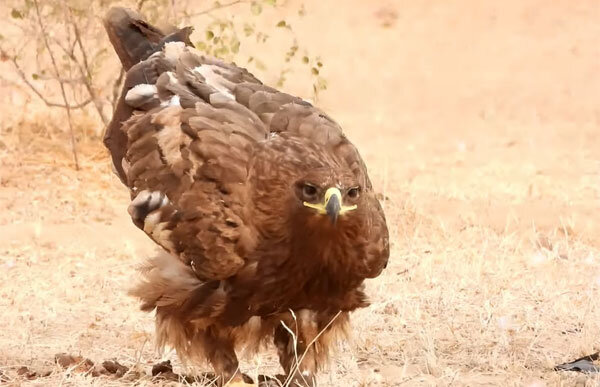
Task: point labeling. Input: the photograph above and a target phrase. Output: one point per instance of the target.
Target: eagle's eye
(309, 192)
(353, 192)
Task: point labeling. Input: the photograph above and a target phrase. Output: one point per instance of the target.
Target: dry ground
(479, 122)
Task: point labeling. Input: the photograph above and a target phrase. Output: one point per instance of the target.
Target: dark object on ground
(115, 368)
(27, 373)
(583, 364)
(164, 370)
(75, 363)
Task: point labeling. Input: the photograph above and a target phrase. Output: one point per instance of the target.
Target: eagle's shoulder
(188, 144)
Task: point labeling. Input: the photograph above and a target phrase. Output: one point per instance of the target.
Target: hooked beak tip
(333, 208)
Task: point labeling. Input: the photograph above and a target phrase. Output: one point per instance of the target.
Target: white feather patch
(172, 78)
(173, 50)
(140, 94)
(125, 165)
(215, 80)
(170, 137)
(173, 101)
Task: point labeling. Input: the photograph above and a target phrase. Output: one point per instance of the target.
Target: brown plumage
(262, 205)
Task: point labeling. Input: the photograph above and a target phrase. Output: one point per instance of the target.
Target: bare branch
(35, 90)
(70, 81)
(83, 68)
(140, 4)
(62, 86)
(174, 9)
(218, 6)
(86, 72)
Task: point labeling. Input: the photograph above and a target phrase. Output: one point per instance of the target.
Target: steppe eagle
(263, 207)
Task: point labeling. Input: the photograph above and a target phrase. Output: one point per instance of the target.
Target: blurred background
(479, 123)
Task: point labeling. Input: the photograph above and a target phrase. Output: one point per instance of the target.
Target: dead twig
(140, 4)
(218, 6)
(35, 90)
(61, 84)
(85, 71)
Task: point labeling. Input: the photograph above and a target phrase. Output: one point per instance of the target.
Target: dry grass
(479, 125)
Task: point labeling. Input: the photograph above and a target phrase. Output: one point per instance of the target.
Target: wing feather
(191, 124)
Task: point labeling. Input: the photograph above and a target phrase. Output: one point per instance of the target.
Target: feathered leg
(297, 352)
(220, 352)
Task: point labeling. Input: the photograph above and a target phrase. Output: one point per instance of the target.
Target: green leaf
(235, 46)
(292, 51)
(260, 65)
(282, 77)
(200, 46)
(282, 23)
(248, 29)
(315, 71)
(35, 76)
(223, 26)
(255, 8)
(305, 59)
(222, 51)
(319, 64)
(322, 83)
(16, 14)
(209, 34)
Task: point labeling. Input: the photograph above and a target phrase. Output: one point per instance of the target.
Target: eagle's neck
(330, 252)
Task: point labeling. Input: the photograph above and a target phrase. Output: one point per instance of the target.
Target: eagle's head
(327, 197)
(316, 188)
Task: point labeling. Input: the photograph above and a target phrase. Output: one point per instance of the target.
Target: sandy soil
(479, 122)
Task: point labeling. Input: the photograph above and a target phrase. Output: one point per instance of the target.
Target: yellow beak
(332, 204)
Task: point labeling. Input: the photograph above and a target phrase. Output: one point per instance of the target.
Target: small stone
(115, 368)
(26, 373)
(78, 363)
(162, 368)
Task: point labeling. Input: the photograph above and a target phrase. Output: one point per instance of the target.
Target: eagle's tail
(134, 40)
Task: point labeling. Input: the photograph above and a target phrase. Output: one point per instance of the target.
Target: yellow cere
(320, 207)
